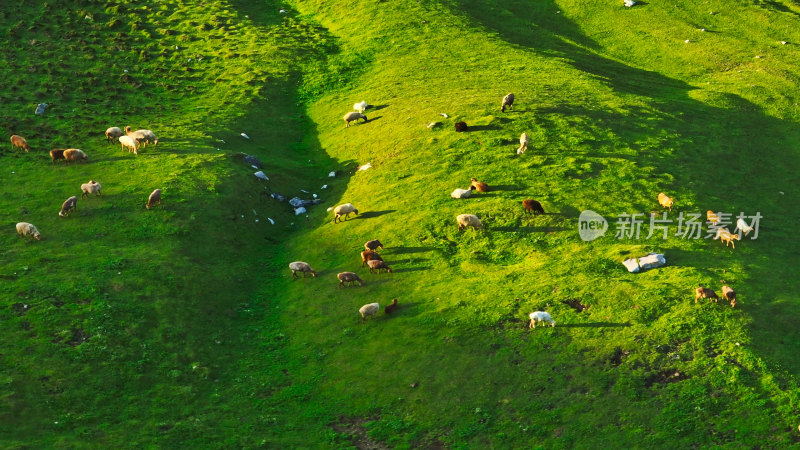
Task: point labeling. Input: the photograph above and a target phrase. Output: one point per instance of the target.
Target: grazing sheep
(702, 292)
(523, 143)
(540, 316)
(348, 277)
(343, 210)
(57, 153)
(742, 226)
(130, 143)
(665, 202)
(478, 185)
(369, 255)
(147, 137)
(113, 133)
(388, 309)
(468, 220)
(461, 193)
(373, 245)
(369, 309)
(138, 135)
(712, 217)
(73, 154)
(378, 264)
(726, 236)
(361, 107)
(27, 229)
(92, 187)
(730, 294)
(353, 116)
(68, 206)
(461, 126)
(508, 102)
(153, 199)
(19, 142)
(300, 266)
(532, 206)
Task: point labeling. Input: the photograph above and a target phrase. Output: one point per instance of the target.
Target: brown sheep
(532, 206)
(711, 216)
(702, 292)
(478, 185)
(373, 244)
(68, 206)
(19, 142)
(348, 277)
(73, 154)
(726, 236)
(730, 294)
(461, 126)
(154, 199)
(508, 102)
(369, 255)
(56, 154)
(665, 202)
(388, 309)
(376, 264)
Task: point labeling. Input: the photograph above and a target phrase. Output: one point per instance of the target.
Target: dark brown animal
(508, 102)
(57, 153)
(729, 294)
(19, 142)
(388, 309)
(478, 185)
(532, 206)
(702, 292)
(154, 199)
(68, 206)
(369, 255)
(373, 244)
(348, 277)
(461, 126)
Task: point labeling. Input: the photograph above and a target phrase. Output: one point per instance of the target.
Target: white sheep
(540, 316)
(300, 266)
(461, 193)
(92, 187)
(523, 144)
(353, 116)
(742, 226)
(129, 142)
(370, 309)
(343, 210)
(27, 229)
(468, 220)
(113, 133)
(361, 107)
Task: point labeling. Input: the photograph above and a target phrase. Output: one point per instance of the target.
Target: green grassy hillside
(181, 325)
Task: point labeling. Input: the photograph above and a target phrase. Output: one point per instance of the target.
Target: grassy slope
(196, 335)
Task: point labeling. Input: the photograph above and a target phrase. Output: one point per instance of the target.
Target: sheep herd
(132, 140)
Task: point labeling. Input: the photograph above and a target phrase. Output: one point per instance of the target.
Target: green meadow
(181, 326)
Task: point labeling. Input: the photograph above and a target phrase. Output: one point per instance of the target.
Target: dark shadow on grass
(594, 325)
(471, 128)
(506, 187)
(530, 229)
(404, 250)
(377, 107)
(412, 269)
(373, 214)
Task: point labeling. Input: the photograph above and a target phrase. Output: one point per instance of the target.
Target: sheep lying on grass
(468, 220)
(665, 202)
(370, 309)
(300, 266)
(480, 186)
(388, 309)
(154, 199)
(532, 206)
(702, 292)
(461, 193)
(19, 142)
(68, 206)
(373, 245)
(540, 316)
(348, 277)
(92, 187)
(113, 133)
(378, 264)
(27, 229)
(343, 210)
(508, 102)
(73, 154)
(353, 117)
(369, 255)
(56, 153)
(729, 294)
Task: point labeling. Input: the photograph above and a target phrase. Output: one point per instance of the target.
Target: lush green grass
(181, 326)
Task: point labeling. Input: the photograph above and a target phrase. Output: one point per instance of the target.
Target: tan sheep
(702, 292)
(369, 255)
(664, 201)
(343, 210)
(378, 264)
(92, 187)
(113, 133)
(468, 220)
(19, 142)
(73, 154)
(300, 266)
(508, 102)
(130, 143)
(729, 294)
(369, 309)
(27, 229)
(353, 117)
(154, 199)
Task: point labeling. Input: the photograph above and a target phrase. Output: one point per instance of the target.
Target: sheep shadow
(373, 214)
(531, 229)
(471, 128)
(595, 325)
(412, 269)
(376, 107)
(506, 187)
(404, 250)
(370, 120)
